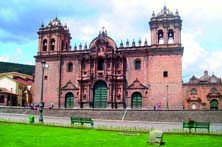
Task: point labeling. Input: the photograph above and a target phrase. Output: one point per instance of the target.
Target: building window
(165, 74)
(160, 37)
(193, 91)
(69, 67)
(44, 45)
(170, 36)
(101, 64)
(2, 98)
(137, 64)
(53, 44)
(83, 65)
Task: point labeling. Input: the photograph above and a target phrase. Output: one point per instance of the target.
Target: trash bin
(31, 119)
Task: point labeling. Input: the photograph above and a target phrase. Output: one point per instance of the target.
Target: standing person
(158, 106)
(52, 105)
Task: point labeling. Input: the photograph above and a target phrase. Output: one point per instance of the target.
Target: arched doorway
(2, 99)
(136, 101)
(214, 104)
(100, 95)
(69, 100)
(193, 106)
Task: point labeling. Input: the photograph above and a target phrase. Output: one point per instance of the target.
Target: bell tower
(54, 37)
(165, 28)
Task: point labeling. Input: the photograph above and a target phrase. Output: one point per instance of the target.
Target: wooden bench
(195, 125)
(81, 120)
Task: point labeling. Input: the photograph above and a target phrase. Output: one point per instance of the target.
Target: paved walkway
(165, 126)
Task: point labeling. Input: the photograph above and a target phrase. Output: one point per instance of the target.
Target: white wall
(8, 83)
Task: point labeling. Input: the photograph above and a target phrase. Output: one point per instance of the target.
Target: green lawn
(12, 134)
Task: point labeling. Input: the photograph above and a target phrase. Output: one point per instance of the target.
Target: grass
(15, 134)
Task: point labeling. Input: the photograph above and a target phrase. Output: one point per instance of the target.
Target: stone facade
(104, 75)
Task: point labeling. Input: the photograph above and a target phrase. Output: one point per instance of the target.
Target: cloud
(18, 51)
(196, 58)
(81, 30)
(212, 62)
(5, 58)
(8, 15)
(123, 19)
(193, 52)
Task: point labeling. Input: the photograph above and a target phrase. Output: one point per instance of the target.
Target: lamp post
(41, 104)
(167, 98)
(11, 97)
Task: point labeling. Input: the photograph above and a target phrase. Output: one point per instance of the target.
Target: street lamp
(167, 98)
(41, 104)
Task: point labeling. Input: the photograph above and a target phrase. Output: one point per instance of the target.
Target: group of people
(156, 107)
(35, 107)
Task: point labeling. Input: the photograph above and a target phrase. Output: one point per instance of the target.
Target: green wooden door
(214, 105)
(136, 100)
(100, 95)
(69, 100)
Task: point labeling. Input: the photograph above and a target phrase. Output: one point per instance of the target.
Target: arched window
(70, 67)
(101, 64)
(44, 45)
(170, 36)
(193, 91)
(83, 64)
(53, 44)
(137, 65)
(214, 104)
(160, 37)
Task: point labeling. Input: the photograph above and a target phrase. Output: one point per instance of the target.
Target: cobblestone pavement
(165, 126)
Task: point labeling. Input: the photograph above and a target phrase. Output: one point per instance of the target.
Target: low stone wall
(175, 116)
(131, 115)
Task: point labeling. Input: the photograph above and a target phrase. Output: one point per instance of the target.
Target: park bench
(195, 125)
(81, 120)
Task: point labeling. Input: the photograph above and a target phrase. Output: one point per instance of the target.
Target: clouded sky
(123, 19)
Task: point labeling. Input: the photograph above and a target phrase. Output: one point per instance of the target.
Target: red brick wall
(173, 65)
(51, 84)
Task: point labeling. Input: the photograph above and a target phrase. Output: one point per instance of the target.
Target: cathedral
(110, 76)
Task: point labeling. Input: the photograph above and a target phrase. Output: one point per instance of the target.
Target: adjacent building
(203, 93)
(15, 89)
